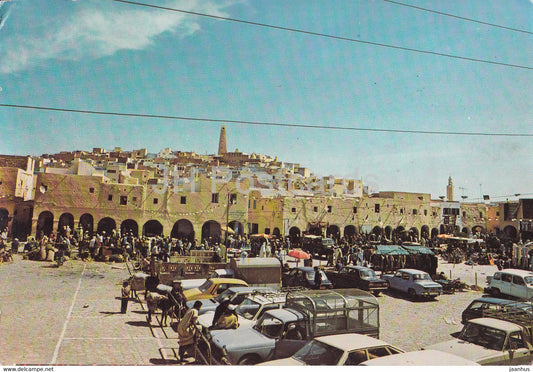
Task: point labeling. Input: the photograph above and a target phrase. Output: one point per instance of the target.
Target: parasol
(296, 253)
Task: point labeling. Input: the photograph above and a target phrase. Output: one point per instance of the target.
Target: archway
(87, 223)
(211, 230)
(106, 226)
(400, 233)
(66, 221)
(276, 232)
(129, 227)
(294, 236)
(376, 231)
(45, 224)
(510, 231)
(183, 229)
(152, 228)
(388, 232)
(466, 231)
(334, 232)
(479, 230)
(424, 232)
(350, 230)
(4, 219)
(442, 229)
(434, 232)
(237, 227)
(413, 233)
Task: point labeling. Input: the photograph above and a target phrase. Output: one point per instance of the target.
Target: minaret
(449, 189)
(222, 142)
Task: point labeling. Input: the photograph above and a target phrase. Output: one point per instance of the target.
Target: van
(512, 282)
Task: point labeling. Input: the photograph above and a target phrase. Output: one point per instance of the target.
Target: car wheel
(496, 292)
(411, 292)
(249, 360)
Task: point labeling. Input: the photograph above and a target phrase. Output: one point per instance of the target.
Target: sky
(108, 56)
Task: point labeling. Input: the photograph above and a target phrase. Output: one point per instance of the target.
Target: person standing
(125, 294)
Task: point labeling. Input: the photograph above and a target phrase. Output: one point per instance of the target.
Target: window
(354, 209)
(315, 209)
(376, 208)
(267, 230)
(183, 200)
(329, 208)
(293, 210)
(233, 198)
(464, 214)
(415, 211)
(498, 214)
(255, 204)
(518, 280)
(401, 210)
(507, 278)
(91, 190)
(134, 198)
(425, 212)
(515, 341)
(110, 197)
(156, 200)
(214, 198)
(123, 200)
(480, 214)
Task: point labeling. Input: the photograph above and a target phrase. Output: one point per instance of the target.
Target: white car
(349, 349)
(415, 283)
(420, 358)
(250, 309)
(512, 282)
(490, 341)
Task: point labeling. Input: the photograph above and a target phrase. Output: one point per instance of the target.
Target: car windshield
(316, 353)
(248, 308)
(487, 337)
(528, 279)
(269, 326)
(204, 287)
(226, 295)
(368, 274)
(423, 276)
(311, 275)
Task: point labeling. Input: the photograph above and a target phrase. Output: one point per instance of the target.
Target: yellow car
(212, 287)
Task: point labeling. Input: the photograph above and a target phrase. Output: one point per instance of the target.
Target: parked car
(357, 277)
(512, 282)
(420, 358)
(483, 304)
(195, 283)
(235, 295)
(415, 283)
(212, 288)
(251, 308)
(490, 341)
(304, 277)
(348, 349)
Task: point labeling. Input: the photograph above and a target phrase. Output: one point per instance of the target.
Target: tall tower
(449, 189)
(222, 141)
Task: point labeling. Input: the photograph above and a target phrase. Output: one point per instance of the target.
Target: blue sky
(107, 56)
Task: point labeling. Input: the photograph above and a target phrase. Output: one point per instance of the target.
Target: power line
(258, 123)
(459, 17)
(326, 35)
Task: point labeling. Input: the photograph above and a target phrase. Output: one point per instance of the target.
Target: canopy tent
(394, 250)
(418, 249)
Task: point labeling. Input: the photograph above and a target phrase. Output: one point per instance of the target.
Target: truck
(192, 271)
(318, 246)
(279, 333)
(258, 272)
(500, 337)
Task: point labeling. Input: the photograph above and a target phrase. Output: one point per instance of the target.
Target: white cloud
(93, 29)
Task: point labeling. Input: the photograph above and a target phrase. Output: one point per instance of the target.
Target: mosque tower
(222, 141)
(449, 189)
